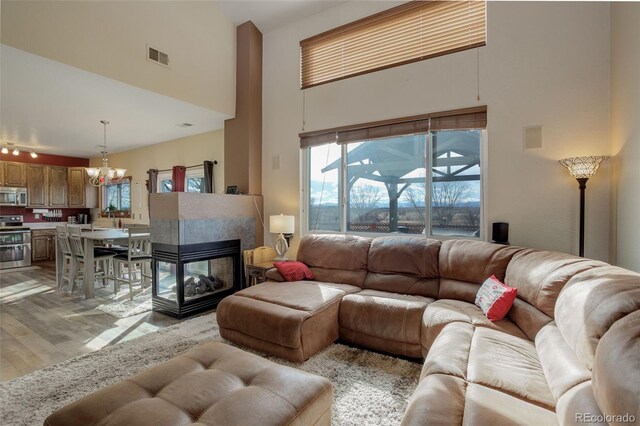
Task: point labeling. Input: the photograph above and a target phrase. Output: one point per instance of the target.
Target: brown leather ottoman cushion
(301, 295)
(301, 317)
(213, 384)
(386, 321)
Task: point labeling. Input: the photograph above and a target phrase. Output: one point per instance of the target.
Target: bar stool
(102, 258)
(62, 239)
(132, 229)
(138, 255)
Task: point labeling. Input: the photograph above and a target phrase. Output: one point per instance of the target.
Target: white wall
(187, 151)
(110, 37)
(544, 64)
(625, 132)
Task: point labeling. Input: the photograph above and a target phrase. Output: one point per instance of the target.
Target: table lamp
(582, 168)
(281, 224)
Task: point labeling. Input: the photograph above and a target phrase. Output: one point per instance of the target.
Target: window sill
(117, 215)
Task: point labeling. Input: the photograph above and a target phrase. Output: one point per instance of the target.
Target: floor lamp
(582, 168)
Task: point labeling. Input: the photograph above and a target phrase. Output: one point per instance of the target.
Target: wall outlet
(37, 216)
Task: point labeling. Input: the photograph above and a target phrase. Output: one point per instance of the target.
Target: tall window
(165, 184)
(411, 32)
(380, 184)
(324, 188)
(116, 198)
(194, 180)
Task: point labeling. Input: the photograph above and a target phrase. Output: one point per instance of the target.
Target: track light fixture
(15, 149)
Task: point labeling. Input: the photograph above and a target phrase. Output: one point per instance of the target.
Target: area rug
(125, 307)
(369, 388)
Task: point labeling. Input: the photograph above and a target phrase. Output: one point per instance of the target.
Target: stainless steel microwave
(16, 197)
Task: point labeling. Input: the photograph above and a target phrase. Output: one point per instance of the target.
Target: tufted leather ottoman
(213, 384)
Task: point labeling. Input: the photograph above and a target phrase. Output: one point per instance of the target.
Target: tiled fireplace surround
(184, 222)
(179, 218)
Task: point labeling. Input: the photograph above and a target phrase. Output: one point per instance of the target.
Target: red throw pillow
(495, 298)
(294, 271)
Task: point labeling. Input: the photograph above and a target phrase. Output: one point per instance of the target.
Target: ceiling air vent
(154, 55)
(184, 125)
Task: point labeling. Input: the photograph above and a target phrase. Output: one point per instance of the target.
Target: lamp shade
(583, 167)
(281, 224)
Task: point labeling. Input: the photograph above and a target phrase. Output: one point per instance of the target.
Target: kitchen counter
(47, 225)
(42, 225)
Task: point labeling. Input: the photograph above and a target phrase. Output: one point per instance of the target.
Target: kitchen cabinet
(81, 194)
(46, 186)
(38, 195)
(13, 174)
(43, 244)
(57, 186)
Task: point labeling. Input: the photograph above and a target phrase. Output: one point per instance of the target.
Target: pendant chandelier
(105, 175)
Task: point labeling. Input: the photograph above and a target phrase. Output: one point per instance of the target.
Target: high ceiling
(56, 109)
(268, 15)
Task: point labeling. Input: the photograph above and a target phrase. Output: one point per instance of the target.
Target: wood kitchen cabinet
(13, 174)
(38, 194)
(57, 186)
(46, 186)
(81, 193)
(43, 245)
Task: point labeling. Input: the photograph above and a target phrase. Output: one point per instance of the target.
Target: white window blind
(411, 32)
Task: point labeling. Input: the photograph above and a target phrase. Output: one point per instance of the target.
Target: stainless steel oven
(15, 243)
(16, 197)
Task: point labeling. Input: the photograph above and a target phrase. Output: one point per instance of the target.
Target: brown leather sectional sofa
(568, 351)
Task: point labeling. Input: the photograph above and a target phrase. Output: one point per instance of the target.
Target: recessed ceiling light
(184, 125)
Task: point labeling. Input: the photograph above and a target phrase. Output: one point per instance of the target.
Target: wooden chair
(137, 260)
(263, 254)
(258, 256)
(68, 267)
(102, 260)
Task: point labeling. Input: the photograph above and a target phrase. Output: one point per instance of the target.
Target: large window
(165, 184)
(325, 196)
(194, 181)
(381, 185)
(116, 198)
(413, 31)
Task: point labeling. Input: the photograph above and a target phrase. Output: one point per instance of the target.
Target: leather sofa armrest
(273, 275)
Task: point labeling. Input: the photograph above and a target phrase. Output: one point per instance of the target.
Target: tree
(363, 199)
(472, 215)
(415, 194)
(446, 197)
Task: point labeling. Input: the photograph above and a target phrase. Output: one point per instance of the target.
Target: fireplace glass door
(194, 278)
(201, 278)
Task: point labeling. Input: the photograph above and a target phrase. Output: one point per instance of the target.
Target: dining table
(90, 240)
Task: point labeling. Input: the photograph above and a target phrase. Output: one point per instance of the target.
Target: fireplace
(192, 278)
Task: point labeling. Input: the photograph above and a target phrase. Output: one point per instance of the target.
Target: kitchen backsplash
(30, 217)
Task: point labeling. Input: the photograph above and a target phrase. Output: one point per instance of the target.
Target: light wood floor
(40, 326)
